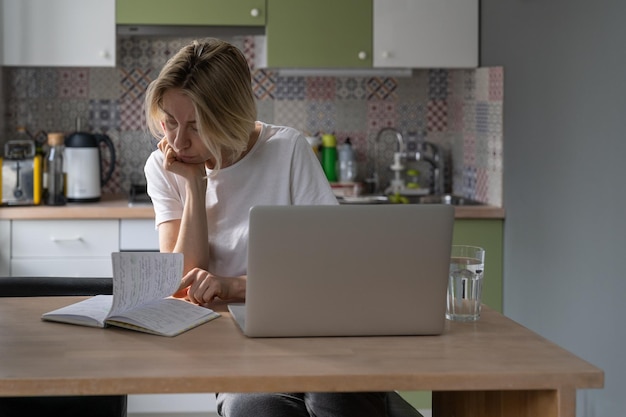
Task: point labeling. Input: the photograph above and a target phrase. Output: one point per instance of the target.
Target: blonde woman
(213, 163)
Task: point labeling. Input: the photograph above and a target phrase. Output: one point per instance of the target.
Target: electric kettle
(83, 166)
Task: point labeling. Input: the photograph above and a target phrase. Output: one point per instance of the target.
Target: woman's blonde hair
(216, 77)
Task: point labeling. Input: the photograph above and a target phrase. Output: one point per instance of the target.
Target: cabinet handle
(386, 54)
(255, 12)
(362, 55)
(66, 239)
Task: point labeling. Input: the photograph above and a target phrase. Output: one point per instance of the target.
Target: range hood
(187, 31)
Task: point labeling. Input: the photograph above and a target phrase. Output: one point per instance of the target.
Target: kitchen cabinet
(319, 34)
(488, 234)
(191, 12)
(372, 34)
(70, 248)
(357, 34)
(5, 248)
(138, 235)
(68, 33)
(425, 33)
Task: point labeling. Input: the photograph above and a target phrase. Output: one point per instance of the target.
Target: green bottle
(329, 157)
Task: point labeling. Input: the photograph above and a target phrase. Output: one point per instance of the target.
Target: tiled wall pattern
(459, 110)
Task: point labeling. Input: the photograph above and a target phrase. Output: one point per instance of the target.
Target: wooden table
(493, 367)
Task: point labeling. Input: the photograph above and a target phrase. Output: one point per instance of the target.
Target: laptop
(346, 270)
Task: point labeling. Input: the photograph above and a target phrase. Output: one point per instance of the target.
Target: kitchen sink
(452, 199)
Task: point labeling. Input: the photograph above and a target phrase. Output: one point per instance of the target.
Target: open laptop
(346, 270)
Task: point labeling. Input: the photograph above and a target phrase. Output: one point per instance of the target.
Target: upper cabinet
(191, 12)
(71, 33)
(298, 33)
(319, 34)
(371, 34)
(426, 33)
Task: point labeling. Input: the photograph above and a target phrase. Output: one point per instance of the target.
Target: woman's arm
(193, 234)
(189, 235)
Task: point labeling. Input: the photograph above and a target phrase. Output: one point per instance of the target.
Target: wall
(460, 110)
(565, 229)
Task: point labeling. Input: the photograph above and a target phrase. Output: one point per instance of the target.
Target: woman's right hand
(173, 164)
(201, 287)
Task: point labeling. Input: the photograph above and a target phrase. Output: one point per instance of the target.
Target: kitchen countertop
(117, 207)
(112, 206)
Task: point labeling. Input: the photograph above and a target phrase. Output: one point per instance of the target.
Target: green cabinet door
(319, 33)
(488, 234)
(191, 12)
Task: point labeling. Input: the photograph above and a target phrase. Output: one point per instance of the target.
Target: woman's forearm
(193, 236)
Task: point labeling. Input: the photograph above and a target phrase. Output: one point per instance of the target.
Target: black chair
(67, 406)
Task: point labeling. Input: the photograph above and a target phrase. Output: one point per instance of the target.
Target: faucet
(429, 153)
(400, 149)
(436, 163)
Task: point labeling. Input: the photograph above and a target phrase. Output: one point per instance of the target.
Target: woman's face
(180, 128)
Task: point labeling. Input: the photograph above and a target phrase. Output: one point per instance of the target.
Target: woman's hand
(172, 163)
(202, 287)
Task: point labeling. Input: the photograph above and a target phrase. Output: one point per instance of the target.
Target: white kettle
(83, 166)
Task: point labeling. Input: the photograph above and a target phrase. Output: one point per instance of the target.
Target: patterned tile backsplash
(460, 110)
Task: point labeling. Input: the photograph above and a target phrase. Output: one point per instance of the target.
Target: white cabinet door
(426, 33)
(138, 235)
(98, 267)
(70, 33)
(5, 247)
(64, 238)
(72, 248)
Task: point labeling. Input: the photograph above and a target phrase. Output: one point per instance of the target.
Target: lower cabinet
(173, 404)
(488, 234)
(5, 248)
(138, 235)
(69, 248)
(82, 248)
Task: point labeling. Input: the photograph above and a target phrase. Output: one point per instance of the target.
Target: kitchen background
(458, 109)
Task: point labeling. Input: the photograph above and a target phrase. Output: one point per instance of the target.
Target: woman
(213, 163)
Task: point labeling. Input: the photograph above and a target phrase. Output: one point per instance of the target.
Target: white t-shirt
(281, 169)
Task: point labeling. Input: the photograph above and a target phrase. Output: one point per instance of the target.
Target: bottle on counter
(316, 145)
(347, 162)
(54, 178)
(329, 156)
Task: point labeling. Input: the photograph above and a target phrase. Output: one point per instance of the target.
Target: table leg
(545, 403)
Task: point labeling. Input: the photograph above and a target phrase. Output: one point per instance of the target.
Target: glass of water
(465, 283)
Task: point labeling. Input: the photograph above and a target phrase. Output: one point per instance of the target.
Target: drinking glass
(465, 283)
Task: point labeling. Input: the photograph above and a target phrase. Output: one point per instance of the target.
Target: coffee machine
(21, 174)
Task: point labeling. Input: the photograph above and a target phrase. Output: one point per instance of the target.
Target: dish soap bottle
(347, 162)
(54, 180)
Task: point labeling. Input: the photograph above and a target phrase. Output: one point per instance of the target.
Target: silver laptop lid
(347, 270)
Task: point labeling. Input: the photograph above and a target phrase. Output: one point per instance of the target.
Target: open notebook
(346, 270)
